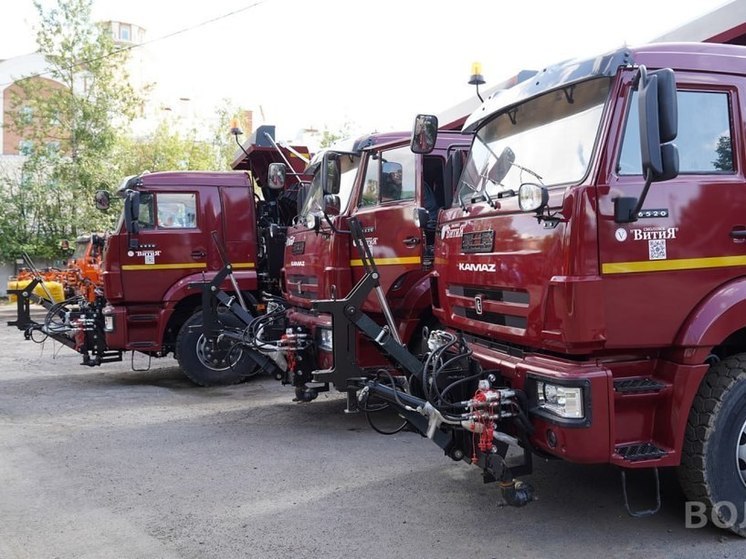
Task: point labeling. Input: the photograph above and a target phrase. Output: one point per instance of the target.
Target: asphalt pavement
(106, 463)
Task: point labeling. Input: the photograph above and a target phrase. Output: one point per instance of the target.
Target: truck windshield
(548, 140)
(314, 202)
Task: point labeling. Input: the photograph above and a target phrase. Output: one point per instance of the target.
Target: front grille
(495, 306)
(305, 287)
(503, 295)
(492, 317)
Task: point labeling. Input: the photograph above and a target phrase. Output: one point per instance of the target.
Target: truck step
(111, 356)
(644, 385)
(634, 452)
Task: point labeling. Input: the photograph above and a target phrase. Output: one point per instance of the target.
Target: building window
(26, 147)
(27, 114)
(125, 32)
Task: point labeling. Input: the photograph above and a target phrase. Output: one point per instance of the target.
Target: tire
(206, 366)
(713, 463)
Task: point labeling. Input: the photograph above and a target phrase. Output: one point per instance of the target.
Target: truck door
(385, 209)
(686, 239)
(172, 243)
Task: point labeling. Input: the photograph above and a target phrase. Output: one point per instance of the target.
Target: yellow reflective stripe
(390, 261)
(666, 265)
(183, 266)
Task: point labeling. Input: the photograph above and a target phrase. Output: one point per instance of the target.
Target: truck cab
(178, 231)
(593, 258)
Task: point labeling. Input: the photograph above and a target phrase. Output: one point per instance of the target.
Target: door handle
(198, 254)
(738, 232)
(411, 241)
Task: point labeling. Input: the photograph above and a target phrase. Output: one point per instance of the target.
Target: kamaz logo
(469, 267)
(478, 304)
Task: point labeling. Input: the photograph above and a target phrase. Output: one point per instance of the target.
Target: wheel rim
(216, 357)
(741, 453)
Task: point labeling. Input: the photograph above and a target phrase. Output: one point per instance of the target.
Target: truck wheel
(713, 463)
(206, 363)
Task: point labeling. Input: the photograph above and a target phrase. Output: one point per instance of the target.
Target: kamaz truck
(377, 182)
(178, 229)
(589, 280)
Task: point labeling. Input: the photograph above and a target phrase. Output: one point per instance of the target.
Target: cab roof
(708, 57)
(191, 179)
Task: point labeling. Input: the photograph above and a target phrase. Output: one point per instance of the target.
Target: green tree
(223, 141)
(70, 124)
(165, 149)
(172, 147)
(328, 137)
(724, 161)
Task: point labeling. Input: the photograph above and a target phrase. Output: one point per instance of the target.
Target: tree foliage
(724, 161)
(165, 149)
(69, 126)
(328, 137)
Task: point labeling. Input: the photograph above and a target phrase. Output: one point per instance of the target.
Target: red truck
(377, 181)
(589, 278)
(177, 229)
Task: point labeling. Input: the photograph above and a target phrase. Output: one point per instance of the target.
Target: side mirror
(502, 165)
(313, 221)
(331, 173)
(102, 200)
(532, 197)
(658, 124)
(132, 211)
(424, 133)
(276, 176)
(331, 204)
(64, 245)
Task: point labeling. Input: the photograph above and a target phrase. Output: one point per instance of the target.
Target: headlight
(326, 339)
(108, 323)
(532, 197)
(565, 401)
(311, 221)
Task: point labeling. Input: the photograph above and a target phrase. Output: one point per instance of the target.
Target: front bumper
(582, 440)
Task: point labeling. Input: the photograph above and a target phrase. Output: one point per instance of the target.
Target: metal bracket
(347, 318)
(647, 512)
